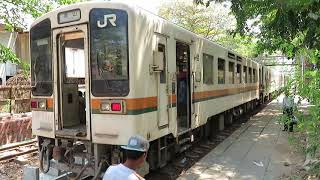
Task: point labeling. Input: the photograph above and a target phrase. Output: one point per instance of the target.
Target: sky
(150, 5)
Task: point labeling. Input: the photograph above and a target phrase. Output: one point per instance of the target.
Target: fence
(15, 99)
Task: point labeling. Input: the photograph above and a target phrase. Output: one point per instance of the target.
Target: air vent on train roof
(231, 55)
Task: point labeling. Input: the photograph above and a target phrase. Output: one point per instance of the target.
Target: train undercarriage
(84, 158)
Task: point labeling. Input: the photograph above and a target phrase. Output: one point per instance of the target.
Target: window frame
(34, 32)
(254, 75)
(211, 59)
(250, 74)
(105, 93)
(233, 74)
(240, 72)
(163, 74)
(224, 70)
(245, 72)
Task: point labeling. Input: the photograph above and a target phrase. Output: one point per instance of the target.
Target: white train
(102, 72)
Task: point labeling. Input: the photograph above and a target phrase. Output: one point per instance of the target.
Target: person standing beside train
(287, 105)
(136, 153)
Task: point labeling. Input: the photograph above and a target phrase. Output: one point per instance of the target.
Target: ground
(257, 150)
(13, 170)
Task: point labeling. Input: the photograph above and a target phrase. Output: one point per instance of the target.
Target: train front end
(80, 78)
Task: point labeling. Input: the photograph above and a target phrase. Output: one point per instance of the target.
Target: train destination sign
(69, 16)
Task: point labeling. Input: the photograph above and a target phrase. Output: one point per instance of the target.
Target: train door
(71, 82)
(161, 49)
(183, 86)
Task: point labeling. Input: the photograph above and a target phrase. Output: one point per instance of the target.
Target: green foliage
(213, 22)
(292, 27)
(279, 25)
(7, 106)
(16, 13)
(6, 54)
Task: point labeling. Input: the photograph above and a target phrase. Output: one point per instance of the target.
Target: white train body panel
(141, 105)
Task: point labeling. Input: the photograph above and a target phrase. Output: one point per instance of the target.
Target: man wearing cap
(136, 153)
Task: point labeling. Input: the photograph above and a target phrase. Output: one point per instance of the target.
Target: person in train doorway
(288, 103)
(136, 153)
(82, 107)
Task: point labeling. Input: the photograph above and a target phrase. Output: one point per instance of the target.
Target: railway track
(198, 150)
(18, 149)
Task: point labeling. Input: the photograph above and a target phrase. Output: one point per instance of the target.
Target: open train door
(72, 82)
(160, 58)
(183, 87)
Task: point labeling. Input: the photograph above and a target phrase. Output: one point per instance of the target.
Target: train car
(271, 82)
(103, 71)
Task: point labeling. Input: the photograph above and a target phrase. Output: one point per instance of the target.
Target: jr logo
(108, 17)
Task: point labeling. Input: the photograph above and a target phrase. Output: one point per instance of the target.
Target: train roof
(134, 8)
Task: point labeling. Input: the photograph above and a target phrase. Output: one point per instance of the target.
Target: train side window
(238, 75)
(260, 76)
(231, 72)
(207, 69)
(250, 75)
(221, 71)
(245, 76)
(162, 48)
(254, 74)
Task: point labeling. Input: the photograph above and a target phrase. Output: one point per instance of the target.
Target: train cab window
(245, 76)
(238, 74)
(162, 48)
(41, 61)
(109, 53)
(207, 69)
(221, 71)
(250, 75)
(254, 75)
(231, 72)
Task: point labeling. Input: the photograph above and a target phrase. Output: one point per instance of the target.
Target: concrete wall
(15, 129)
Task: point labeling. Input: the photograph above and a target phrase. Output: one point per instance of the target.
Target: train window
(207, 69)
(221, 71)
(238, 75)
(162, 48)
(254, 75)
(260, 76)
(73, 57)
(231, 72)
(41, 62)
(109, 53)
(250, 75)
(245, 76)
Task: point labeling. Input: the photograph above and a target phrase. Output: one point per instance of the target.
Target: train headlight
(105, 107)
(42, 104)
(112, 106)
(38, 104)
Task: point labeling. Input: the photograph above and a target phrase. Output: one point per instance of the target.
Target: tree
(291, 26)
(214, 23)
(283, 25)
(15, 14)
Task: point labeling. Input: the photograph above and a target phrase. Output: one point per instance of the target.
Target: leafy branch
(6, 54)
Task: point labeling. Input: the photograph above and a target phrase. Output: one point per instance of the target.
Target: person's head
(136, 150)
(79, 93)
(137, 157)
